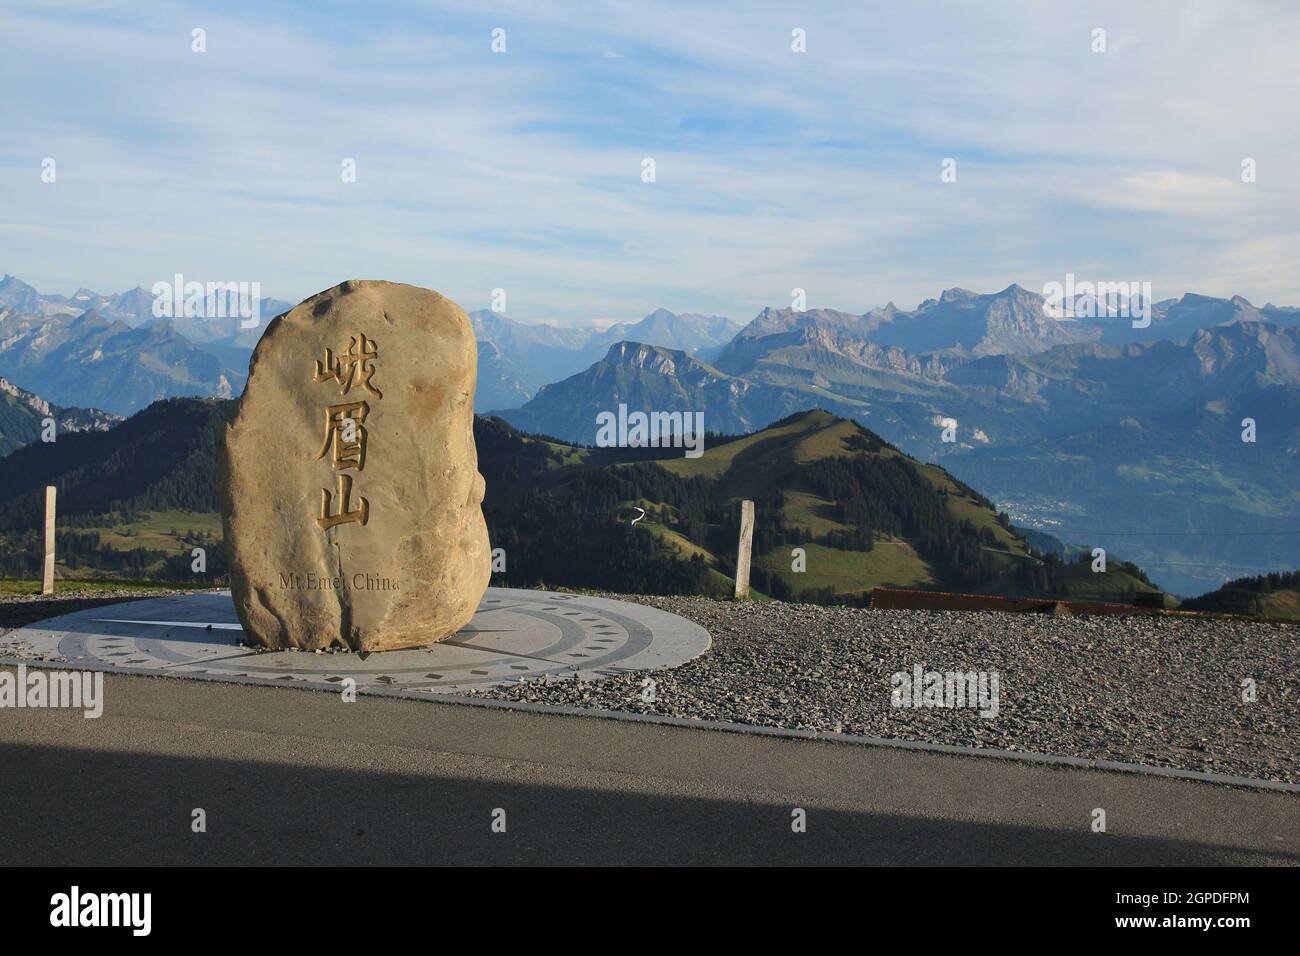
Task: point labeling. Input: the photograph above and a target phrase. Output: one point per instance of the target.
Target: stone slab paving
(515, 633)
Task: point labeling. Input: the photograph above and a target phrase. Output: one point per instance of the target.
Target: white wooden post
(742, 550)
(47, 568)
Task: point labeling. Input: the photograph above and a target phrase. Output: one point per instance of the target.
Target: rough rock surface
(348, 476)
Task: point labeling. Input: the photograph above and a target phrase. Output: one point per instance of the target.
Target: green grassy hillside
(838, 512)
(1275, 596)
(922, 517)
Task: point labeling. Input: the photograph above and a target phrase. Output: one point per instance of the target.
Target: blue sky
(774, 169)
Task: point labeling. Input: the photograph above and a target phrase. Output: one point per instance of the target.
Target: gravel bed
(1152, 690)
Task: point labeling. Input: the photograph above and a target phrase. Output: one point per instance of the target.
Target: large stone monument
(349, 482)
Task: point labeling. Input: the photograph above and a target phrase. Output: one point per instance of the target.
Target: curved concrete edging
(951, 750)
(1026, 756)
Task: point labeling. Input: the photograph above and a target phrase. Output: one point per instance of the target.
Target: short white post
(742, 550)
(47, 568)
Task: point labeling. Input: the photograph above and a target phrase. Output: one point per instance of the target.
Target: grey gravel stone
(1149, 690)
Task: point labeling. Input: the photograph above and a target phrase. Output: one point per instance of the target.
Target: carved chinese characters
(345, 432)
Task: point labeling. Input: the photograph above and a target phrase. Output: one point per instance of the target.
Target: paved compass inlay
(515, 633)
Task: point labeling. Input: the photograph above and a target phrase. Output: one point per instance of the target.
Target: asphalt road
(286, 776)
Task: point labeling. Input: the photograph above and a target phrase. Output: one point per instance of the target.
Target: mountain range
(135, 308)
(1134, 446)
(89, 360)
(110, 352)
(23, 416)
(208, 355)
(521, 358)
(1090, 428)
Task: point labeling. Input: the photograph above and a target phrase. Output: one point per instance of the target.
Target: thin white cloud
(775, 169)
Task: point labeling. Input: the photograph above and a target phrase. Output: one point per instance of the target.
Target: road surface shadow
(65, 806)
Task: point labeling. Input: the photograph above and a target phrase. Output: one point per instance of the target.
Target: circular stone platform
(515, 633)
